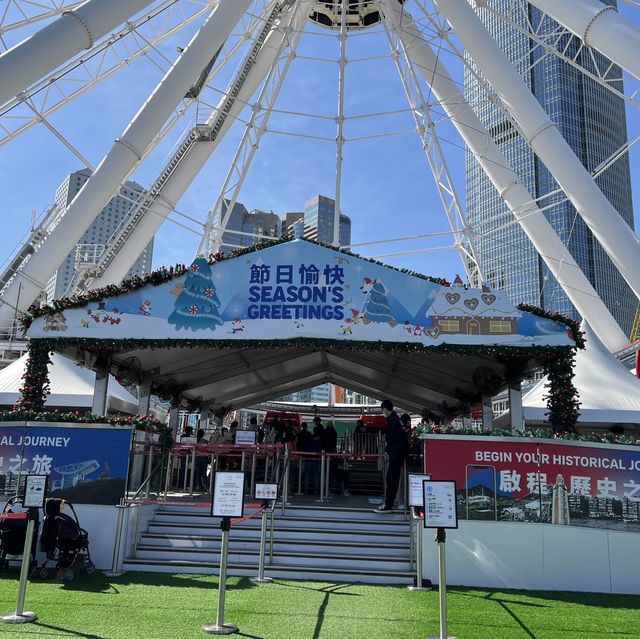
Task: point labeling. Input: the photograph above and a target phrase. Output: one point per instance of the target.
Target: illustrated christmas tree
(197, 305)
(377, 307)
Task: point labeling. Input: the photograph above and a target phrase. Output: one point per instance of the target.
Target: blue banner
(85, 464)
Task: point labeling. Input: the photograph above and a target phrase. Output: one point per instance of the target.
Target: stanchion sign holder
(267, 493)
(34, 494)
(416, 503)
(227, 501)
(440, 512)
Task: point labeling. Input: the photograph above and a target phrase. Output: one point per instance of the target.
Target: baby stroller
(13, 533)
(63, 541)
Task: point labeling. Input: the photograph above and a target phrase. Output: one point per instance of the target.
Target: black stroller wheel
(89, 568)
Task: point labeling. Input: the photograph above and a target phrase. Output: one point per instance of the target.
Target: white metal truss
(205, 134)
(614, 235)
(342, 64)
(182, 169)
(123, 157)
(505, 180)
(57, 42)
(137, 38)
(481, 83)
(561, 43)
(254, 130)
(16, 14)
(426, 129)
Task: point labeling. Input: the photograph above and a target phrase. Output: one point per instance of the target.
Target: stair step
(283, 572)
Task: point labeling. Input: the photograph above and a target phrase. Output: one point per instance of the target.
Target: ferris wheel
(228, 73)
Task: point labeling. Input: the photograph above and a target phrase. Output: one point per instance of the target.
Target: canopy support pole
(100, 387)
(516, 412)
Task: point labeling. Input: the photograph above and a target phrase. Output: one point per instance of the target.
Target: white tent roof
(71, 386)
(608, 392)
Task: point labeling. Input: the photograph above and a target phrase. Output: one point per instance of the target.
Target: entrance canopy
(271, 320)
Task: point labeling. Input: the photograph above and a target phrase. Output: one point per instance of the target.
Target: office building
(316, 395)
(592, 120)
(293, 224)
(319, 221)
(97, 236)
(245, 228)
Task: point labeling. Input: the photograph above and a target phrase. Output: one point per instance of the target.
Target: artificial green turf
(173, 606)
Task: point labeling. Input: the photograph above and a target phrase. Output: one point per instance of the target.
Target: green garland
(35, 380)
(572, 324)
(562, 398)
(516, 355)
(538, 433)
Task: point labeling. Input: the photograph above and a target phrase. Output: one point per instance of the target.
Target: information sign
(245, 438)
(188, 440)
(415, 489)
(439, 504)
(266, 491)
(228, 495)
(35, 491)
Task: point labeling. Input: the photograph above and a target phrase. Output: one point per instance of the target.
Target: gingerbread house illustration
(471, 311)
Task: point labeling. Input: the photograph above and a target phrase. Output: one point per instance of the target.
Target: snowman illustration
(145, 308)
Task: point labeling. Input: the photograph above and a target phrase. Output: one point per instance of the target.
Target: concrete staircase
(310, 543)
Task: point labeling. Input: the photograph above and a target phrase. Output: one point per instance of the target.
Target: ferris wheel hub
(360, 13)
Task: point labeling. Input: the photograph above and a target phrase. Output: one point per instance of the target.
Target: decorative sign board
(266, 491)
(300, 289)
(439, 503)
(35, 491)
(415, 489)
(245, 438)
(228, 495)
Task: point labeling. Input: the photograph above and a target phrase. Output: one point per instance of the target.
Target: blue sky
(387, 187)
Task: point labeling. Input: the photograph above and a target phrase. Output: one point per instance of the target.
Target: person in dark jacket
(397, 449)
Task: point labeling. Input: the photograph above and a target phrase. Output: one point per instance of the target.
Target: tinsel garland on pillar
(35, 381)
(562, 397)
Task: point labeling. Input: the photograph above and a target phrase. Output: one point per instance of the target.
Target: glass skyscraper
(592, 120)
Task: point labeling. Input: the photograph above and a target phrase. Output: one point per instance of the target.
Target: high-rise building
(97, 235)
(293, 224)
(592, 120)
(315, 395)
(249, 227)
(319, 221)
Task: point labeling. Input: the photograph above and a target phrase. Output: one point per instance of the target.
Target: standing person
(397, 448)
(202, 463)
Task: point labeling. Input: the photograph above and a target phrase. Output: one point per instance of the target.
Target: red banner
(539, 480)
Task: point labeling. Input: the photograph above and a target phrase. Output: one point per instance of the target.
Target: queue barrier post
(20, 615)
(415, 524)
(114, 572)
(220, 627)
(263, 545)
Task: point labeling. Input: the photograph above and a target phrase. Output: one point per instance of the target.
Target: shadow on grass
(71, 633)
(598, 600)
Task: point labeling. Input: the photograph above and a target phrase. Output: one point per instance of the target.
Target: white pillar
(487, 412)
(144, 395)
(505, 180)
(599, 26)
(516, 412)
(100, 388)
(173, 420)
(123, 157)
(74, 30)
(615, 236)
